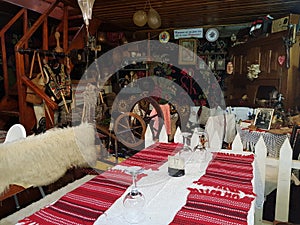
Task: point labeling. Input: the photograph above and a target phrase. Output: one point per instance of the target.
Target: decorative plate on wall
(212, 34)
(164, 37)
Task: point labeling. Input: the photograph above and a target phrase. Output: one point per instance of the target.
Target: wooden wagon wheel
(130, 127)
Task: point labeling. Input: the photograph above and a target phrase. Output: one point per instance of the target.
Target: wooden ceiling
(190, 13)
(117, 15)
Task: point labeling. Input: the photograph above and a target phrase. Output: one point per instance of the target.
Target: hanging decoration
(253, 71)
(154, 21)
(86, 7)
(152, 18)
(140, 18)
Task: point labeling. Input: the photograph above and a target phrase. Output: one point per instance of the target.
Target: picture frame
(201, 64)
(220, 63)
(187, 52)
(263, 118)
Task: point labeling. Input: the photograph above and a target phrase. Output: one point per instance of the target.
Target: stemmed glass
(203, 140)
(185, 136)
(202, 145)
(134, 200)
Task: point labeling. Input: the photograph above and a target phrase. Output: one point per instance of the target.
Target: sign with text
(188, 33)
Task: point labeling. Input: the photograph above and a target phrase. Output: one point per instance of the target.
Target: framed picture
(187, 52)
(220, 61)
(263, 118)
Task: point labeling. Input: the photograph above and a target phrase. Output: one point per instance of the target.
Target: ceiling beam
(38, 6)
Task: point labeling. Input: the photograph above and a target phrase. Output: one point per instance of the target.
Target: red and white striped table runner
(89, 201)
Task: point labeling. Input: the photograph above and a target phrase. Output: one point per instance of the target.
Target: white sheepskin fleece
(42, 159)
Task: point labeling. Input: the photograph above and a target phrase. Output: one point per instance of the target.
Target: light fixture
(140, 17)
(154, 21)
(86, 7)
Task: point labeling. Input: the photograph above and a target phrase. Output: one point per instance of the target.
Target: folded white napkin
(148, 137)
(194, 139)
(178, 138)
(163, 136)
(237, 145)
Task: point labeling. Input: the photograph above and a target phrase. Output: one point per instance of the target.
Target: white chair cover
(230, 131)
(15, 132)
(194, 114)
(215, 131)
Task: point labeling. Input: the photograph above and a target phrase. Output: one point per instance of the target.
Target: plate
(212, 34)
(164, 37)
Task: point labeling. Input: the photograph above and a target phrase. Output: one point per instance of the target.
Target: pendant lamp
(140, 18)
(86, 7)
(154, 20)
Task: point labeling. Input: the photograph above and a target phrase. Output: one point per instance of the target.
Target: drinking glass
(203, 141)
(185, 136)
(201, 148)
(134, 200)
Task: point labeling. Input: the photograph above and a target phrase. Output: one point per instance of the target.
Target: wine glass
(185, 136)
(203, 141)
(134, 200)
(202, 146)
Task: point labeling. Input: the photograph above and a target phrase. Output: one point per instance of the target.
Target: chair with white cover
(220, 128)
(15, 132)
(18, 132)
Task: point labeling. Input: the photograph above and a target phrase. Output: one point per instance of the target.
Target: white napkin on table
(178, 138)
(148, 137)
(194, 139)
(163, 136)
(237, 145)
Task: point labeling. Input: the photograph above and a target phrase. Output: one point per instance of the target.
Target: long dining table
(217, 188)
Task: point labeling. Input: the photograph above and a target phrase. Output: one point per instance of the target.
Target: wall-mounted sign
(188, 33)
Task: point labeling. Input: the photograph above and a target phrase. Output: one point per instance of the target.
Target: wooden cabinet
(265, 51)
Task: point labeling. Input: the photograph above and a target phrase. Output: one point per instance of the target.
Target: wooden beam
(38, 6)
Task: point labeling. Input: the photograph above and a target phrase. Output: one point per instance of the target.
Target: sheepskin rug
(42, 159)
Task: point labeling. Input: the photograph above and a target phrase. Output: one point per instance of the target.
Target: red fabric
(232, 172)
(154, 156)
(86, 203)
(203, 207)
(229, 174)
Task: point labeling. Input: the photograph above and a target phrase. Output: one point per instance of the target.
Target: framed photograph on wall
(187, 52)
(263, 118)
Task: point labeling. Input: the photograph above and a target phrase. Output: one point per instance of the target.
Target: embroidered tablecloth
(273, 141)
(87, 202)
(220, 199)
(100, 199)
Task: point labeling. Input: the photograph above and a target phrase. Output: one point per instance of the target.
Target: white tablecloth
(164, 195)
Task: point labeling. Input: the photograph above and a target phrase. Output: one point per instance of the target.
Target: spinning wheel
(130, 125)
(130, 129)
